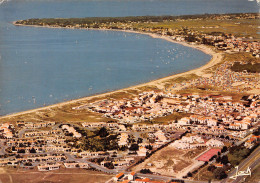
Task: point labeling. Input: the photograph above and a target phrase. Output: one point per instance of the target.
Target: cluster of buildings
(194, 142)
(225, 79)
(70, 129)
(220, 41)
(33, 146)
(237, 45)
(252, 141)
(112, 126)
(141, 108)
(211, 111)
(224, 42)
(43, 162)
(31, 125)
(6, 130)
(37, 145)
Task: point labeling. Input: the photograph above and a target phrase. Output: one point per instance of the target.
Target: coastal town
(195, 129)
(212, 125)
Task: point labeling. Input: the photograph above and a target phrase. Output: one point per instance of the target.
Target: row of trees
(100, 20)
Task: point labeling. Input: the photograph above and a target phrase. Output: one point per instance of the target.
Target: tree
(13, 148)
(218, 159)
(123, 148)
(224, 160)
(32, 150)
(109, 165)
(134, 147)
(220, 173)
(18, 156)
(145, 171)
(28, 164)
(211, 168)
(102, 132)
(149, 147)
(131, 139)
(257, 132)
(224, 149)
(191, 38)
(213, 157)
(140, 140)
(237, 154)
(21, 151)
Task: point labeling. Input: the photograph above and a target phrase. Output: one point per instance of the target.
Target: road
(167, 178)
(112, 171)
(252, 161)
(98, 167)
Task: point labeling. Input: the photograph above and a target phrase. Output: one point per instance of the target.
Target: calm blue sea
(40, 66)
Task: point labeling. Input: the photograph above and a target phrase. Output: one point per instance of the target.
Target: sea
(41, 66)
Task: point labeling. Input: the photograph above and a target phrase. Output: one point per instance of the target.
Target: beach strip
(216, 58)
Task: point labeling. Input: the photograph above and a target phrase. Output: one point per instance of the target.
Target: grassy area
(171, 117)
(235, 96)
(119, 95)
(249, 67)
(167, 161)
(203, 175)
(237, 154)
(11, 175)
(237, 27)
(133, 92)
(148, 88)
(180, 79)
(234, 57)
(165, 119)
(59, 115)
(241, 56)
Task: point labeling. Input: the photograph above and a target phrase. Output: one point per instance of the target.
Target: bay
(41, 66)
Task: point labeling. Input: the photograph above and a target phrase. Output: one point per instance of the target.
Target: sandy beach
(216, 58)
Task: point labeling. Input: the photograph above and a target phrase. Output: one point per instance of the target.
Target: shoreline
(215, 59)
